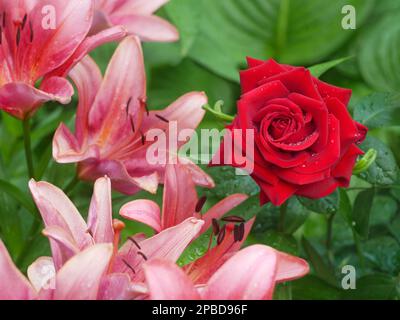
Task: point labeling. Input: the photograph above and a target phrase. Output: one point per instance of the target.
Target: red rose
(305, 138)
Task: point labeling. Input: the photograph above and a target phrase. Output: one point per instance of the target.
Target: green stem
(71, 186)
(28, 147)
(329, 234)
(282, 217)
(218, 113)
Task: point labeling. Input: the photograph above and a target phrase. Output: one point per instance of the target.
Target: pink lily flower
(79, 279)
(70, 235)
(137, 16)
(180, 202)
(250, 274)
(32, 52)
(113, 122)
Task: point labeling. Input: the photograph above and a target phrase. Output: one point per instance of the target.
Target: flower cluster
(306, 144)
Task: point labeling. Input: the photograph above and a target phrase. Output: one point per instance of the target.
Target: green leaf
(289, 31)
(277, 240)
(319, 69)
(322, 269)
(374, 287)
(345, 207)
(379, 53)
(326, 205)
(383, 253)
(378, 110)
(228, 182)
(384, 171)
(362, 210)
(18, 195)
(186, 16)
(170, 82)
(313, 288)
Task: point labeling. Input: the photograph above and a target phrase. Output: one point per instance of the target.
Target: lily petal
(57, 210)
(166, 281)
(147, 27)
(168, 244)
(63, 246)
(100, 212)
(144, 211)
(79, 278)
(42, 273)
(290, 267)
(22, 100)
(13, 284)
(248, 275)
(180, 196)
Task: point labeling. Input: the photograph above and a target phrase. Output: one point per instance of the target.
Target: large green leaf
(378, 110)
(361, 212)
(379, 53)
(374, 287)
(321, 268)
(313, 288)
(383, 253)
(292, 31)
(384, 171)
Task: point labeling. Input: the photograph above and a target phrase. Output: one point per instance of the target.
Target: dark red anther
(221, 235)
(215, 226)
(200, 204)
(135, 242)
(18, 36)
(241, 229)
(142, 254)
(128, 265)
(162, 118)
(233, 219)
(143, 138)
(128, 104)
(132, 124)
(24, 21)
(31, 31)
(236, 233)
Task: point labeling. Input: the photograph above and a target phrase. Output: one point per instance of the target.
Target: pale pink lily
(180, 202)
(69, 235)
(250, 274)
(137, 16)
(33, 50)
(78, 279)
(112, 123)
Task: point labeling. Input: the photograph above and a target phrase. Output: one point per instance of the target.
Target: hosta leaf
(377, 110)
(319, 69)
(295, 32)
(379, 53)
(384, 171)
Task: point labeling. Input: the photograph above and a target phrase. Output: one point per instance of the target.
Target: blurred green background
(216, 37)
